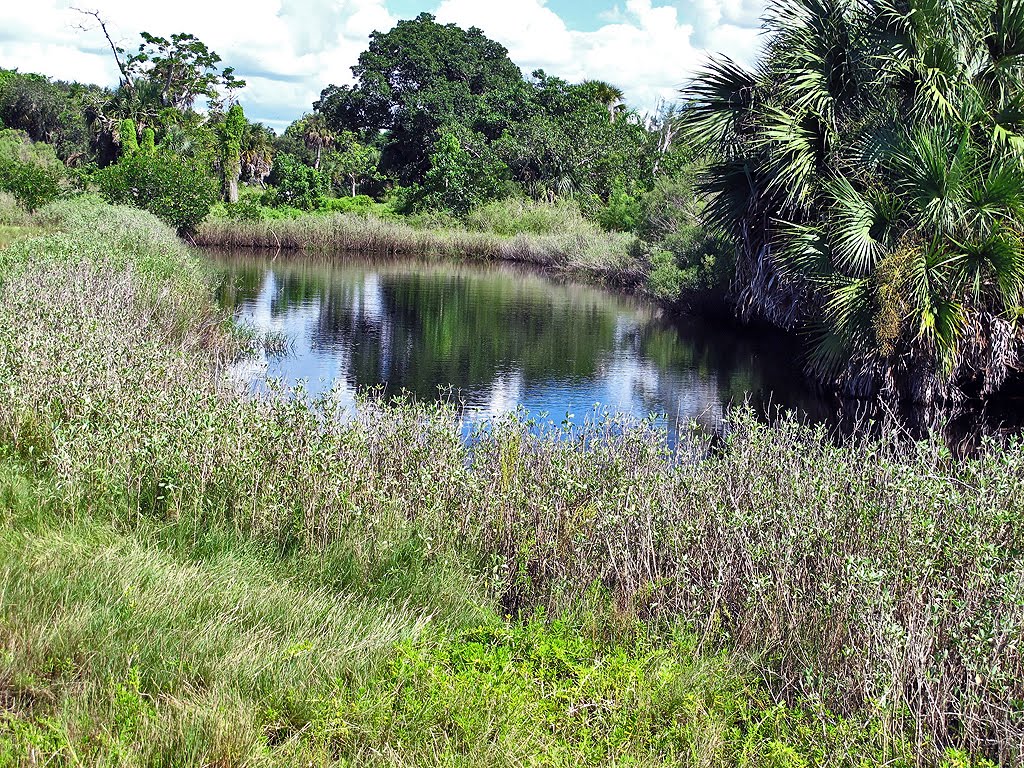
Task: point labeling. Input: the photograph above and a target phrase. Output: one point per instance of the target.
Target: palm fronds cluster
(870, 169)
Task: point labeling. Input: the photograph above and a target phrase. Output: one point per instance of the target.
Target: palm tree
(317, 134)
(607, 95)
(257, 155)
(870, 172)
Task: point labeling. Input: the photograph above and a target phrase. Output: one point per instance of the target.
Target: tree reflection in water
(501, 337)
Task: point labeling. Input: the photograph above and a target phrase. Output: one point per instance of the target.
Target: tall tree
(607, 95)
(232, 132)
(316, 133)
(418, 77)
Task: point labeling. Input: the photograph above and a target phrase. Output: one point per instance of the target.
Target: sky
(288, 50)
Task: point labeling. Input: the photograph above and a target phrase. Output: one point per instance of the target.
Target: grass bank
(551, 237)
(189, 576)
(15, 222)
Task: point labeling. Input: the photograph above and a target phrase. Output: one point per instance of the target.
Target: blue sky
(288, 50)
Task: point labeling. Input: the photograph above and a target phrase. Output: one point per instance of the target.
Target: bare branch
(126, 79)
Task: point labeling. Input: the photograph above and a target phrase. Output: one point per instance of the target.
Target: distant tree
(607, 95)
(257, 153)
(568, 147)
(232, 131)
(351, 163)
(298, 184)
(316, 133)
(49, 111)
(415, 79)
(184, 67)
(464, 173)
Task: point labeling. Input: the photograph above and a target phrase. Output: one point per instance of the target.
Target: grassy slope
(189, 577)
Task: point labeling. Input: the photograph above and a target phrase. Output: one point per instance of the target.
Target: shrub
(296, 184)
(174, 190)
(361, 204)
(622, 213)
(515, 216)
(11, 212)
(32, 185)
(690, 262)
(666, 280)
(30, 171)
(668, 208)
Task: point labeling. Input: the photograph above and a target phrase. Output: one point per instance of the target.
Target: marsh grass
(779, 600)
(561, 243)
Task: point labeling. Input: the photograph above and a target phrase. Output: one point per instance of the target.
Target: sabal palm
(607, 95)
(870, 169)
(317, 134)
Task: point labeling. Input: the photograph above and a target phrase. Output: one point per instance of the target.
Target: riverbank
(193, 576)
(573, 246)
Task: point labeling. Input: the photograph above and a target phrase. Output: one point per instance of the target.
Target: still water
(498, 338)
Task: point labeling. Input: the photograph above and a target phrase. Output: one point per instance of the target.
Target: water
(499, 338)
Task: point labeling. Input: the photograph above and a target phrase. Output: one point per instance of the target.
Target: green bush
(666, 280)
(622, 213)
(177, 192)
(670, 207)
(361, 204)
(296, 184)
(32, 185)
(30, 171)
(690, 262)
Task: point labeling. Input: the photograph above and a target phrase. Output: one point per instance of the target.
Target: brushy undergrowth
(878, 580)
(579, 248)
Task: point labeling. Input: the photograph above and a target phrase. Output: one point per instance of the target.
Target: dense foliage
(870, 170)
(177, 192)
(29, 171)
(461, 126)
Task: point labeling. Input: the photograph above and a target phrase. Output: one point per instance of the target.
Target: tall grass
(878, 580)
(552, 239)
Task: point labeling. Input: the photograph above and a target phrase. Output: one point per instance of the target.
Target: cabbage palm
(870, 171)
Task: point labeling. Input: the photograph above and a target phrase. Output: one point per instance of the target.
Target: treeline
(440, 127)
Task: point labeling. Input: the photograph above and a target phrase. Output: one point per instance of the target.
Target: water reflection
(500, 338)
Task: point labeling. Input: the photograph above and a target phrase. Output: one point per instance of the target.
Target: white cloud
(287, 50)
(645, 48)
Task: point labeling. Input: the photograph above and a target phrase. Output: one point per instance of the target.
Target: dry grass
(582, 249)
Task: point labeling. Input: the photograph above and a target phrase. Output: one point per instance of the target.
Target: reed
(581, 249)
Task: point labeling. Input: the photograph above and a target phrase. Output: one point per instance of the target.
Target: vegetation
(192, 575)
(30, 172)
(558, 238)
(177, 192)
(187, 577)
(870, 170)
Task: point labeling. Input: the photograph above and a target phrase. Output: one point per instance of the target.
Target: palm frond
(719, 100)
(858, 226)
(801, 250)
